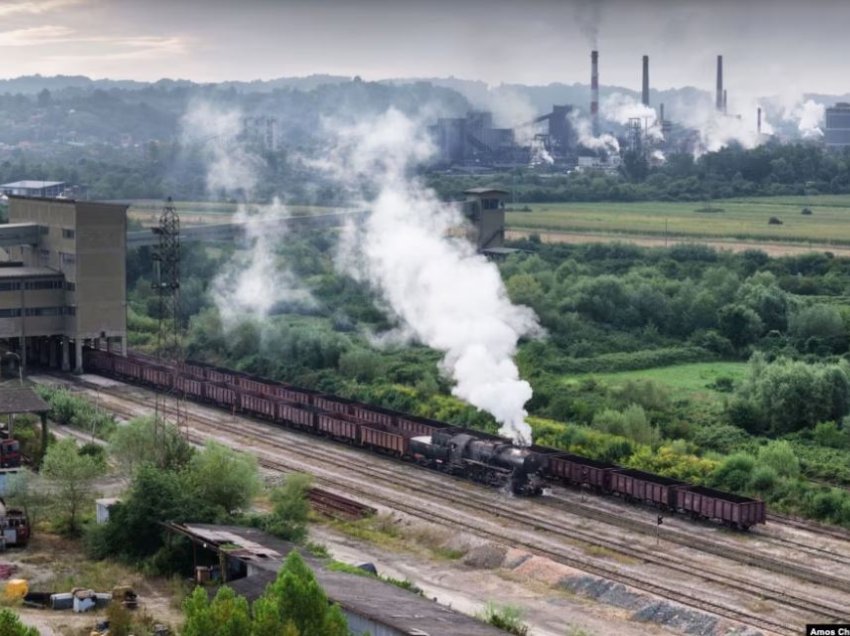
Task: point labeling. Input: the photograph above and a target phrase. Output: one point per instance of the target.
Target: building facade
(837, 131)
(65, 279)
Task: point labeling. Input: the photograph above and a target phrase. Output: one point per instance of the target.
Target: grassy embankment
(745, 218)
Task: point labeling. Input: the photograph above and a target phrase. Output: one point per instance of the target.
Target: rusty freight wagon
(734, 510)
(581, 471)
(257, 405)
(302, 417)
(337, 426)
(388, 441)
(636, 485)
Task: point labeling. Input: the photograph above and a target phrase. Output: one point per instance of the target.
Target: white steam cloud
(809, 116)
(439, 289)
(253, 282)
(621, 108)
(583, 129)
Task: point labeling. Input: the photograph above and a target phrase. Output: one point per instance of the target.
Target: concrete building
(64, 281)
(837, 131)
(50, 189)
(485, 209)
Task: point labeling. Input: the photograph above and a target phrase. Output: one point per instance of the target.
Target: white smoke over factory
(439, 290)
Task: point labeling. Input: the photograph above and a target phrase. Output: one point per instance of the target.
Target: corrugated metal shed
(21, 400)
(378, 608)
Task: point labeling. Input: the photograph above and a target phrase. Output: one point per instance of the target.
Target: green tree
(295, 600)
(222, 477)
(133, 530)
(11, 625)
(141, 442)
(26, 490)
(226, 615)
(740, 324)
(288, 519)
(71, 475)
(819, 326)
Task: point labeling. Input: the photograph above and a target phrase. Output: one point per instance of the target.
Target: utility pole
(167, 285)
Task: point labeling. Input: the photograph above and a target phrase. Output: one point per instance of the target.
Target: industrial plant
(577, 137)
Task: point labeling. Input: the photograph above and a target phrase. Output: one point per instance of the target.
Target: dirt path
(732, 245)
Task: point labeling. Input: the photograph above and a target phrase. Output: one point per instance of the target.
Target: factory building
(472, 139)
(63, 282)
(836, 134)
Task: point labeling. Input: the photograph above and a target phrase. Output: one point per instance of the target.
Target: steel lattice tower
(166, 258)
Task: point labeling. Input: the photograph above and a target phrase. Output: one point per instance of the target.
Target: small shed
(17, 400)
(104, 505)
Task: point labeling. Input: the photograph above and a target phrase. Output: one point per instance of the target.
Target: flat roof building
(28, 188)
(64, 280)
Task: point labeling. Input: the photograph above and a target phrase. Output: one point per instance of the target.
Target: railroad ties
(337, 506)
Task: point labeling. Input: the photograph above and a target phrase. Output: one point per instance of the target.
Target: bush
(735, 472)
(830, 435)
(506, 617)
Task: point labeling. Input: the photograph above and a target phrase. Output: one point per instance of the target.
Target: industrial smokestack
(758, 120)
(724, 101)
(661, 113)
(594, 91)
(719, 99)
(645, 91)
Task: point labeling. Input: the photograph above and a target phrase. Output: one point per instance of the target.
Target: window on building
(67, 259)
(67, 233)
(70, 311)
(10, 313)
(70, 286)
(10, 285)
(44, 284)
(44, 311)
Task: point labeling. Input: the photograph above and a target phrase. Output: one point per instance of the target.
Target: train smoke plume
(254, 281)
(443, 293)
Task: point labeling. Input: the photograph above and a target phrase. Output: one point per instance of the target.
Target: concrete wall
(100, 276)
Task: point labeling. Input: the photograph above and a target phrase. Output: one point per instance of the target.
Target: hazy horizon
(769, 47)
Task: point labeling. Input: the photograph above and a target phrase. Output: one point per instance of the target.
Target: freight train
(475, 455)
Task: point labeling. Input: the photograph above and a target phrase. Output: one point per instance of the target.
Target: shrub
(506, 617)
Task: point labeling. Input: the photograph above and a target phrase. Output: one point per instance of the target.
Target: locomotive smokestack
(758, 120)
(645, 90)
(719, 98)
(594, 91)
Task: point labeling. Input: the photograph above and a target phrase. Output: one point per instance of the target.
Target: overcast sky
(770, 46)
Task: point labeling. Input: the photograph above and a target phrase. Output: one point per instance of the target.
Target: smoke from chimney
(594, 91)
(645, 90)
(719, 99)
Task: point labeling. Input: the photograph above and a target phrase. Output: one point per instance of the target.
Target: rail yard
(774, 579)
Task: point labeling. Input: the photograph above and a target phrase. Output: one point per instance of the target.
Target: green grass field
(680, 378)
(745, 218)
(142, 207)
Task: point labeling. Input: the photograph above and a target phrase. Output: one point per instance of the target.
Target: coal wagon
(636, 485)
(733, 510)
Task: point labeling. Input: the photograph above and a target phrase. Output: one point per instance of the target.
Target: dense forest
(776, 430)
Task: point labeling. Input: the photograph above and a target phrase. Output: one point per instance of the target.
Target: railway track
(809, 605)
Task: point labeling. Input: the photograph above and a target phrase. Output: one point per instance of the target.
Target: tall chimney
(758, 120)
(661, 113)
(594, 91)
(724, 101)
(719, 98)
(645, 91)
